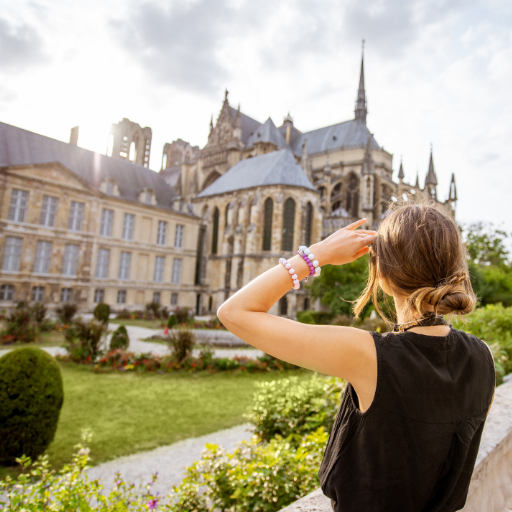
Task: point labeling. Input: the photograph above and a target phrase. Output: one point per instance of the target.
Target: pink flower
(152, 504)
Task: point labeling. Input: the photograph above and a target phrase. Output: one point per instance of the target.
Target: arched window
(309, 224)
(283, 306)
(164, 161)
(133, 153)
(267, 224)
(288, 225)
(215, 233)
(227, 216)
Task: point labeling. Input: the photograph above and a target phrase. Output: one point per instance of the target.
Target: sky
(437, 72)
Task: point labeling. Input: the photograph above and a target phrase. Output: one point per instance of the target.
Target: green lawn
(130, 412)
(150, 324)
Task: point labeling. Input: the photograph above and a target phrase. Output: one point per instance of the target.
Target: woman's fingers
(355, 225)
(361, 252)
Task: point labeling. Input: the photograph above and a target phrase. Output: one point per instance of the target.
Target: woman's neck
(404, 313)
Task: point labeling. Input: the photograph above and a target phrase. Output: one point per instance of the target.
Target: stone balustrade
(491, 484)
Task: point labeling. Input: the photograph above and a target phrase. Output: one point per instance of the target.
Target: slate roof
(276, 168)
(267, 132)
(21, 147)
(249, 125)
(342, 135)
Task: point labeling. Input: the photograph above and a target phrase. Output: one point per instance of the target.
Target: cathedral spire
(453, 189)
(401, 174)
(417, 185)
(431, 178)
(361, 110)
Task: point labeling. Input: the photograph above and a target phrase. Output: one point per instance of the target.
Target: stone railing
(491, 484)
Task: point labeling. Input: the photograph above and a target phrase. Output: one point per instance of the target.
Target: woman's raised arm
(343, 352)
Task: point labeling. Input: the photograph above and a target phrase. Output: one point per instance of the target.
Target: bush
(263, 477)
(48, 326)
(84, 339)
(20, 326)
(181, 342)
(31, 397)
(124, 314)
(38, 312)
(181, 315)
(120, 339)
(172, 322)
(39, 489)
(154, 308)
(66, 312)
(289, 406)
(492, 324)
(317, 317)
(102, 312)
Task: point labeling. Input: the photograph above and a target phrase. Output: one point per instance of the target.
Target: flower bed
(121, 360)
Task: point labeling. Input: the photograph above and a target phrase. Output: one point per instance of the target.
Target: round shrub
(172, 322)
(31, 397)
(102, 312)
(120, 339)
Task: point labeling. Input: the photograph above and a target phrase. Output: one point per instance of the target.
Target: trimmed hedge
(102, 312)
(31, 397)
(120, 339)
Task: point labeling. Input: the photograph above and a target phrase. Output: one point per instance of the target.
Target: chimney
(73, 139)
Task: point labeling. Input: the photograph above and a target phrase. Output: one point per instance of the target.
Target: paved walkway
(169, 461)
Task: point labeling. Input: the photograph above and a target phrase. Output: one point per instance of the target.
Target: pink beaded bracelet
(291, 271)
(309, 258)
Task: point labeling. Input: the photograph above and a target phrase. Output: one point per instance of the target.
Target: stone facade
(55, 251)
(234, 252)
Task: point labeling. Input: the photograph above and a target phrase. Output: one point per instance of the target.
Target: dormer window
(109, 187)
(147, 196)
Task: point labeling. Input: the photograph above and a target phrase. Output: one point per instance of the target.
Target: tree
(339, 285)
(485, 244)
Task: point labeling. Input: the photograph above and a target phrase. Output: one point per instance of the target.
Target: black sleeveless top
(415, 448)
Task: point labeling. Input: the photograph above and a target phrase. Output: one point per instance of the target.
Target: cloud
(20, 46)
(178, 45)
(393, 25)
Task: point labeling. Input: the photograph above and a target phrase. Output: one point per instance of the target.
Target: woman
(407, 433)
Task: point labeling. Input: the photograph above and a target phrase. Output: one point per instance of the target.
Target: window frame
(102, 266)
(35, 295)
(48, 215)
(7, 289)
(42, 258)
(76, 216)
(18, 205)
(179, 236)
(177, 264)
(69, 259)
(158, 274)
(64, 293)
(161, 236)
(107, 222)
(125, 262)
(128, 228)
(13, 256)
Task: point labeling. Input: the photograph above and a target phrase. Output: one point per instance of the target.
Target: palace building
(77, 225)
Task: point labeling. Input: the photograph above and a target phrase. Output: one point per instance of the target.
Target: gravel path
(169, 461)
(137, 334)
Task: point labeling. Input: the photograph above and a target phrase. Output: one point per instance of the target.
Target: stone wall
(491, 484)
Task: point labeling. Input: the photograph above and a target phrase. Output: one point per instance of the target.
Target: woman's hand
(344, 246)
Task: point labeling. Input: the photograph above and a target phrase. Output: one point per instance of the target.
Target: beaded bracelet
(291, 271)
(309, 258)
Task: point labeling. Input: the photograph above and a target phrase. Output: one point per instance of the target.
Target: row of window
(19, 204)
(288, 225)
(12, 258)
(66, 295)
(99, 296)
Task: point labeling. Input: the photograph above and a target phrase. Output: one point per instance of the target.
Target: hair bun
(455, 298)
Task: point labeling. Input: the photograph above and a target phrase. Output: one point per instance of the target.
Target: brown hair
(419, 252)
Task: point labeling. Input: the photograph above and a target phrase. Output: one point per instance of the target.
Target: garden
(134, 402)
